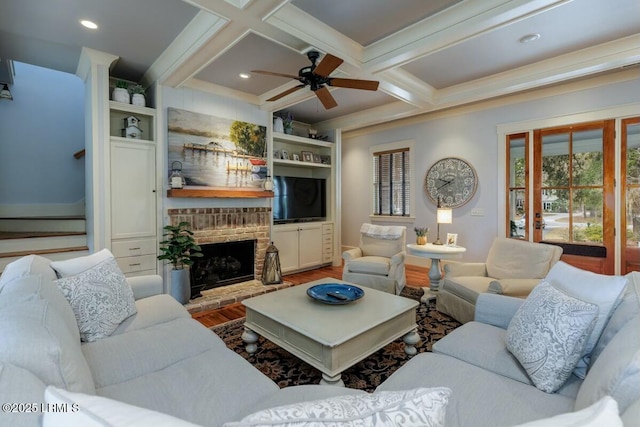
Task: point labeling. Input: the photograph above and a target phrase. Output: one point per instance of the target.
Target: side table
(436, 253)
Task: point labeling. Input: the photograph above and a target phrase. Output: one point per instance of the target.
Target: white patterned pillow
(548, 333)
(100, 297)
(423, 407)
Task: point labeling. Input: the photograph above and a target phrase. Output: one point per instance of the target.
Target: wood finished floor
(416, 277)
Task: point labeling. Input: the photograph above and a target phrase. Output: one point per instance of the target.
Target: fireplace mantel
(206, 192)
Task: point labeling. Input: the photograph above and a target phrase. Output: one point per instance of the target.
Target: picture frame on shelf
(277, 154)
(325, 160)
(452, 239)
(316, 158)
(295, 157)
(307, 156)
(285, 155)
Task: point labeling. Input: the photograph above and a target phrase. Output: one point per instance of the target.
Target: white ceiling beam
(591, 60)
(449, 27)
(405, 86)
(197, 47)
(317, 34)
(168, 68)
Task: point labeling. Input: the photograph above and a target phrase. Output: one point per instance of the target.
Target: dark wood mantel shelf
(200, 192)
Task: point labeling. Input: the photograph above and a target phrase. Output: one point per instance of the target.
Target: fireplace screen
(223, 264)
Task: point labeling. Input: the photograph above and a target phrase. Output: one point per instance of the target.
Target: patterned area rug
(286, 370)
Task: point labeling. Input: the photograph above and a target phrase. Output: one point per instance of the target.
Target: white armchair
(513, 268)
(378, 261)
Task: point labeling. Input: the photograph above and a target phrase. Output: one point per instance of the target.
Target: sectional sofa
(158, 366)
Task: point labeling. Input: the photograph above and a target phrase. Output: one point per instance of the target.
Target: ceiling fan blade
(326, 98)
(285, 93)
(327, 65)
(271, 73)
(354, 83)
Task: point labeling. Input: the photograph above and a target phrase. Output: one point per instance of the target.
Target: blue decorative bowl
(335, 293)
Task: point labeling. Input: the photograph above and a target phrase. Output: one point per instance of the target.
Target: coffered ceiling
(427, 55)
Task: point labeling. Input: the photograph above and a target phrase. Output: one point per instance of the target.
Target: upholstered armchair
(513, 267)
(378, 261)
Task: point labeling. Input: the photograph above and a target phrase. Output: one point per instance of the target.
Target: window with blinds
(391, 183)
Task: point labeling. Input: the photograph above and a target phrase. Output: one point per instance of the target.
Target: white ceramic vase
(278, 125)
(139, 100)
(121, 95)
(181, 285)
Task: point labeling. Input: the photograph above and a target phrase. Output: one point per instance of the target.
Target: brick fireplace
(222, 225)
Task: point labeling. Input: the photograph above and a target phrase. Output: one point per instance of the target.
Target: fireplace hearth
(223, 264)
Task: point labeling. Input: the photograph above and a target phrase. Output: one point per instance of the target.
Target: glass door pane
(517, 181)
(631, 191)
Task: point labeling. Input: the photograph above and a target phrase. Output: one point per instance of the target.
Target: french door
(574, 192)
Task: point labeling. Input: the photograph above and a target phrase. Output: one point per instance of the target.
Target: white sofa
(160, 367)
(513, 267)
(490, 387)
(159, 358)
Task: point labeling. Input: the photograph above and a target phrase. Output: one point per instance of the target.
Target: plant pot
(121, 95)
(181, 285)
(421, 240)
(139, 100)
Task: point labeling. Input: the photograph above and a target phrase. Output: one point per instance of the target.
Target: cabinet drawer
(127, 248)
(327, 229)
(133, 264)
(327, 239)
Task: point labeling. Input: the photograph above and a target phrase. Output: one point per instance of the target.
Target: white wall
(200, 102)
(469, 133)
(40, 130)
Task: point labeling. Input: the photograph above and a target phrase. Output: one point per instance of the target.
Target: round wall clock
(451, 180)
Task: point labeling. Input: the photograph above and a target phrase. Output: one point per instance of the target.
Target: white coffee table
(331, 338)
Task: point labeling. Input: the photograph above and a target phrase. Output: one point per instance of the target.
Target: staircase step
(71, 224)
(56, 243)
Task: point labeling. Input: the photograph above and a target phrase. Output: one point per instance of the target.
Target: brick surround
(220, 225)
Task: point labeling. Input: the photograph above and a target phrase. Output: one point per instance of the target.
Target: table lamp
(443, 216)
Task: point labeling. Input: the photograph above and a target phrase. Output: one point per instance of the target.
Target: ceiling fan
(317, 78)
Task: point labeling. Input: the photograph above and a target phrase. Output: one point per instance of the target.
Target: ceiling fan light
(5, 93)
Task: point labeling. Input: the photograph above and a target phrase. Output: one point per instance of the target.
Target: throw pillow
(602, 413)
(101, 299)
(83, 410)
(604, 291)
(73, 266)
(417, 407)
(548, 333)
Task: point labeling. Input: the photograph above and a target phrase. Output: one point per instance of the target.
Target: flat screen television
(299, 199)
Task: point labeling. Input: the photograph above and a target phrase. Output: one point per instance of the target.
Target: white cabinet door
(133, 198)
(310, 246)
(286, 240)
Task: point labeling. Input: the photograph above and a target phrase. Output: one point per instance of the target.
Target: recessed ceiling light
(530, 38)
(89, 24)
(245, 75)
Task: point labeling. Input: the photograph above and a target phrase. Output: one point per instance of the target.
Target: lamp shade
(444, 216)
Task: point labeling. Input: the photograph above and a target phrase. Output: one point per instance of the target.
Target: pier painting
(216, 152)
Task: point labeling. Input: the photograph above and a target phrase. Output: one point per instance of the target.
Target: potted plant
(421, 235)
(137, 95)
(179, 248)
(120, 92)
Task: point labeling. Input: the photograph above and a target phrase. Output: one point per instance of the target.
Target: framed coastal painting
(215, 152)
